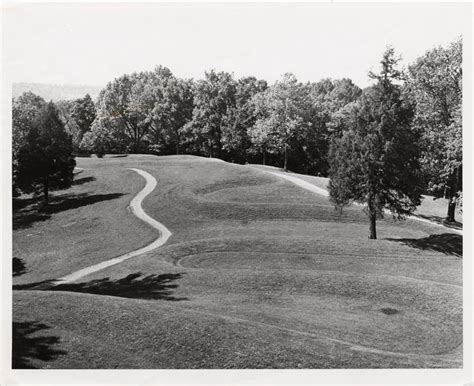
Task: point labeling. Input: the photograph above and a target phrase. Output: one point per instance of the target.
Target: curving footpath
(302, 183)
(137, 210)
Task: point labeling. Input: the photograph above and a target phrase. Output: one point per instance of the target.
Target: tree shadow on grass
(18, 266)
(25, 214)
(135, 285)
(73, 201)
(116, 155)
(83, 180)
(447, 243)
(441, 221)
(26, 348)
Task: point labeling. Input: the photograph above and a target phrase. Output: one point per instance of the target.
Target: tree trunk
(451, 209)
(177, 148)
(264, 161)
(373, 219)
(285, 166)
(373, 230)
(455, 185)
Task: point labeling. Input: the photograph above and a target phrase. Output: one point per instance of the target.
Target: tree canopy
(435, 84)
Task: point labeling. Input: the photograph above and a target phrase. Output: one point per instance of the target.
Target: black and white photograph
(246, 186)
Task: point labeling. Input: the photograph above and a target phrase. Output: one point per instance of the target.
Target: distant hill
(56, 92)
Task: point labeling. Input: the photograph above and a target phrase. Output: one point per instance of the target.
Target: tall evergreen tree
(45, 157)
(25, 111)
(376, 160)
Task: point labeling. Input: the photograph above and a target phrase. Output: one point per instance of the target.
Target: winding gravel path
(302, 183)
(137, 210)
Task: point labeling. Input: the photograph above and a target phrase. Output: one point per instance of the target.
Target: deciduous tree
(235, 136)
(173, 109)
(128, 103)
(214, 100)
(281, 115)
(435, 83)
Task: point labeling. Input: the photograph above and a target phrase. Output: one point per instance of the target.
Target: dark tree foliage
(325, 98)
(45, 156)
(435, 83)
(376, 159)
(25, 110)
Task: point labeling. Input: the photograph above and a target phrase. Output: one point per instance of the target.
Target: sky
(91, 44)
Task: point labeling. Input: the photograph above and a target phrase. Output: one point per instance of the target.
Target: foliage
(173, 109)
(326, 98)
(25, 110)
(142, 112)
(214, 101)
(105, 136)
(290, 122)
(235, 137)
(77, 117)
(281, 118)
(83, 115)
(45, 155)
(126, 105)
(64, 108)
(376, 159)
(435, 83)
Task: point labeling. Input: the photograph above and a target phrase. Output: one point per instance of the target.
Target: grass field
(258, 273)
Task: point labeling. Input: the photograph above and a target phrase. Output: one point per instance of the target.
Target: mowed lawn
(258, 273)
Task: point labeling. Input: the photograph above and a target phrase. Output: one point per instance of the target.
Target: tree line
(384, 145)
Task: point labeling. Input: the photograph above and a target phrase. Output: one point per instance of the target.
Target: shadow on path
(26, 348)
(28, 212)
(134, 286)
(447, 243)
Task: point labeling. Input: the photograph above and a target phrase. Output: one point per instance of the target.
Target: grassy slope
(431, 207)
(86, 224)
(272, 277)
